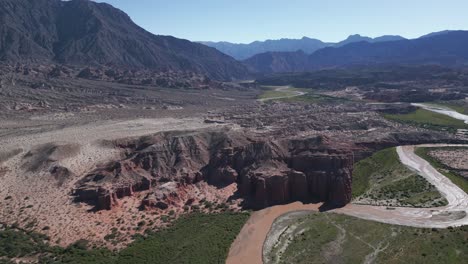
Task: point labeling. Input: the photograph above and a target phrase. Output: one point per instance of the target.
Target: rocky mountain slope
(446, 49)
(307, 45)
(82, 32)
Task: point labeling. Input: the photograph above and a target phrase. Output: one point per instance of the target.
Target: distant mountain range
(82, 32)
(85, 33)
(269, 62)
(244, 51)
(444, 48)
(307, 45)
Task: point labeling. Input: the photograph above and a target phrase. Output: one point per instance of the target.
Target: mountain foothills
(444, 48)
(119, 146)
(82, 32)
(307, 45)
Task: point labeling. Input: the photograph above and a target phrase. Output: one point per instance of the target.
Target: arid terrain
(118, 145)
(104, 168)
(46, 150)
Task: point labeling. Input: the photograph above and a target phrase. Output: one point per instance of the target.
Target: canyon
(267, 172)
(118, 154)
(112, 137)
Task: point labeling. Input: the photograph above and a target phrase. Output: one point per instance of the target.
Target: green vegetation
(381, 178)
(319, 233)
(289, 94)
(195, 238)
(452, 175)
(454, 106)
(271, 92)
(15, 243)
(78, 253)
(428, 119)
(198, 238)
(364, 169)
(314, 98)
(336, 238)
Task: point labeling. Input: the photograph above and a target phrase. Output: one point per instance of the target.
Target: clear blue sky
(243, 21)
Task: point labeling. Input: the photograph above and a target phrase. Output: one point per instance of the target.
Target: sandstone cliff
(267, 171)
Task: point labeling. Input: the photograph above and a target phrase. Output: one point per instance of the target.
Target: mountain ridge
(444, 49)
(83, 32)
(308, 45)
(243, 51)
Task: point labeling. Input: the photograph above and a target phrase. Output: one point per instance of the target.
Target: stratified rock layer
(267, 171)
(312, 173)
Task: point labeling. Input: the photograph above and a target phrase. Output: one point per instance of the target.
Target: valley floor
(36, 143)
(30, 195)
(302, 237)
(256, 235)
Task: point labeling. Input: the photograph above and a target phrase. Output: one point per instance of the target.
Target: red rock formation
(268, 172)
(167, 194)
(314, 177)
(314, 171)
(298, 186)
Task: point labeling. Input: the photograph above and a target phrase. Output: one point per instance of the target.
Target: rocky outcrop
(267, 171)
(106, 185)
(322, 175)
(60, 173)
(167, 194)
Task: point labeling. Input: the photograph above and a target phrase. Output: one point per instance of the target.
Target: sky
(244, 21)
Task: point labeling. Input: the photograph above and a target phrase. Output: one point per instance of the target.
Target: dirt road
(53, 207)
(248, 246)
(443, 110)
(456, 197)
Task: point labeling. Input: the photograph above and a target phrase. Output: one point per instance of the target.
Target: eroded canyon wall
(267, 171)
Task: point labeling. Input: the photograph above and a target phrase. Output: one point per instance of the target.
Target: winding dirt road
(248, 246)
(443, 110)
(285, 89)
(456, 197)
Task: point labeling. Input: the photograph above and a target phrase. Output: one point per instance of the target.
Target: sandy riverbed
(248, 246)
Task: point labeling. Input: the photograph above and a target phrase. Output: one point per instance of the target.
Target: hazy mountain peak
(355, 36)
(437, 33)
(306, 44)
(244, 51)
(447, 48)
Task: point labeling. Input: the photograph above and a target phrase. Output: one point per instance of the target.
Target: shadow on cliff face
(327, 206)
(267, 171)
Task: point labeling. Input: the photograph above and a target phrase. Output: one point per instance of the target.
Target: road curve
(248, 246)
(456, 197)
(443, 110)
(283, 89)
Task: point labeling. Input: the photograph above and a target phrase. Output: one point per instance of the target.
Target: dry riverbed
(260, 234)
